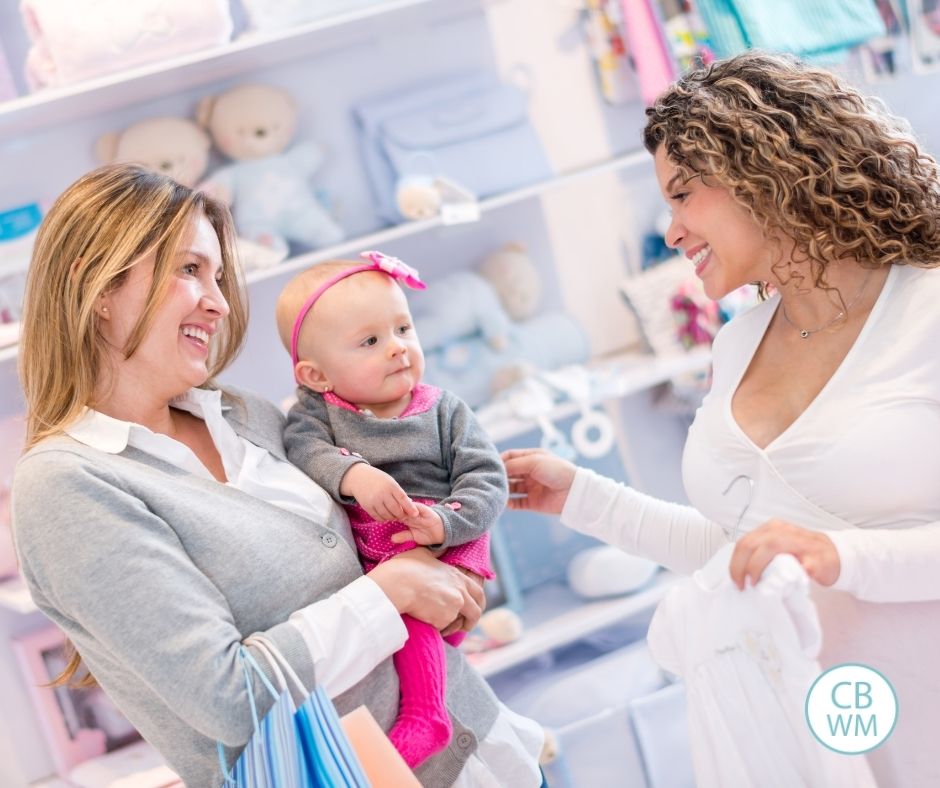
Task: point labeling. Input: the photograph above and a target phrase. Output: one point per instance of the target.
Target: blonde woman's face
(724, 245)
(173, 354)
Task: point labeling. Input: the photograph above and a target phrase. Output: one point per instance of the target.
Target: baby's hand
(426, 527)
(378, 493)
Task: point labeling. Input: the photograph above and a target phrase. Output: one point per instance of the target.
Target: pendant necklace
(805, 332)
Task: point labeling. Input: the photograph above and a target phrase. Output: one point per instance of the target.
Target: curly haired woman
(826, 396)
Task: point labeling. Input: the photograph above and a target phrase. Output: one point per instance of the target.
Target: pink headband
(392, 266)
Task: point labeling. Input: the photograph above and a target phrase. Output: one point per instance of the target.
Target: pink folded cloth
(653, 64)
(74, 40)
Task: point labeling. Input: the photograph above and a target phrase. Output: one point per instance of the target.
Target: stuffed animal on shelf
(480, 332)
(179, 148)
(173, 146)
(267, 184)
(608, 571)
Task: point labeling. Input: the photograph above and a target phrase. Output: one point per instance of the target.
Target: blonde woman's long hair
(808, 156)
(94, 234)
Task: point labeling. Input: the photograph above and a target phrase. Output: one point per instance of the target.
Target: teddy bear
(480, 333)
(267, 184)
(174, 146)
(179, 148)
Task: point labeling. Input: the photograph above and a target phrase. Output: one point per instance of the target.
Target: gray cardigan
(156, 576)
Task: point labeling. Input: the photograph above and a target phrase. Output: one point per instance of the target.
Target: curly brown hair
(809, 157)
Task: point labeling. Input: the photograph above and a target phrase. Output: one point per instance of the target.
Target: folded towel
(74, 40)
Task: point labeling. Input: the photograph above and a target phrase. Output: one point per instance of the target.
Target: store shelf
(618, 376)
(554, 616)
(382, 237)
(9, 353)
(15, 596)
(394, 233)
(248, 53)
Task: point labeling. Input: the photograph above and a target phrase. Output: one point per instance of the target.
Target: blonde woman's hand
(813, 549)
(538, 480)
(434, 592)
(462, 623)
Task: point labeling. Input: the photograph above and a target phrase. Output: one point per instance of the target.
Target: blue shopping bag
(327, 759)
(273, 757)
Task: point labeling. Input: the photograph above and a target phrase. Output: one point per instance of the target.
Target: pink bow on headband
(395, 268)
(392, 266)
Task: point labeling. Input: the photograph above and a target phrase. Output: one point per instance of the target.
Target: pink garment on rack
(654, 68)
(74, 40)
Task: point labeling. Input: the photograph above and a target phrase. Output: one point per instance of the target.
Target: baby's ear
(311, 376)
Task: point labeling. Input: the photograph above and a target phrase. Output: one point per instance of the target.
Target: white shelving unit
(553, 616)
(386, 235)
(622, 375)
(252, 51)
(48, 122)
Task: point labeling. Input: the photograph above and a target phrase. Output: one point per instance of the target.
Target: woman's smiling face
(722, 240)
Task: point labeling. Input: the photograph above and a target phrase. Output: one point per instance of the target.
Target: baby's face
(365, 341)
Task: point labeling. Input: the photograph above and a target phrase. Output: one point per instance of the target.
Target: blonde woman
(825, 403)
(158, 522)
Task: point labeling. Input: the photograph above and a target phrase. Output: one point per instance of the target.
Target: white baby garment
(748, 659)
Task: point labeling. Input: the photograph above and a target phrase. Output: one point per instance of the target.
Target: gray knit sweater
(435, 449)
(157, 575)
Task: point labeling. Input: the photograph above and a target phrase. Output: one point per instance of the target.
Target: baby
(408, 461)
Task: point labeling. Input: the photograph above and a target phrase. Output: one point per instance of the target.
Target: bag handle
(248, 664)
(278, 663)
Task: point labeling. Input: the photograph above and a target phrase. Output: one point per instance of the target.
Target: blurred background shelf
(553, 615)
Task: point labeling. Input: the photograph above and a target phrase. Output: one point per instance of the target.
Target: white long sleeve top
(862, 463)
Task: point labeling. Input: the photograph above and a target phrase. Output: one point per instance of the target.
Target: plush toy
(515, 279)
(179, 148)
(501, 625)
(462, 305)
(417, 197)
(423, 196)
(268, 184)
(174, 146)
(479, 331)
(608, 571)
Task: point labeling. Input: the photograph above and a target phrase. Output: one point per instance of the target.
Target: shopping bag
(381, 762)
(327, 755)
(272, 758)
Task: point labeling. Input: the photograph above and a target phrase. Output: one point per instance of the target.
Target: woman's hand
(462, 622)
(434, 592)
(538, 480)
(814, 550)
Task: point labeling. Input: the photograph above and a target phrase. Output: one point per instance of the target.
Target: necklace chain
(805, 332)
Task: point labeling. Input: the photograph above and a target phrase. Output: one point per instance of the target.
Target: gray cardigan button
(329, 540)
(464, 740)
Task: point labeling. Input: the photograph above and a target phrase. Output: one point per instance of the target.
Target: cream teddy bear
(267, 184)
(179, 148)
(174, 146)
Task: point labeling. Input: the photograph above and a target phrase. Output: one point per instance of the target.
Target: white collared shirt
(350, 632)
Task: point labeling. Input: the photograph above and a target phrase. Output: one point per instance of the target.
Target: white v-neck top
(862, 462)
(865, 451)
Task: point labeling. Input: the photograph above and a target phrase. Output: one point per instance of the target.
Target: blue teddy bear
(266, 185)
